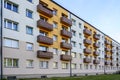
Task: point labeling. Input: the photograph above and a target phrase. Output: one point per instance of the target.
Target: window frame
(44, 65)
(28, 28)
(31, 13)
(7, 26)
(31, 65)
(10, 45)
(12, 5)
(27, 46)
(11, 65)
(30, 1)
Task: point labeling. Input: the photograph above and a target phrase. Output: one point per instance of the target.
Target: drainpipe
(70, 53)
(104, 66)
(1, 61)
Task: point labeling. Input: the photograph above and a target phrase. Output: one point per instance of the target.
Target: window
(11, 6)
(73, 33)
(30, 46)
(80, 35)
(80, 66)
(43, 19)
(99, 67)
(73, 44)
(90, 66)
(80, 45)
(44, 64)
(64, 52)
(11, 43)
(73, 65)
(55, 51)
(55, 65)
(64, 28)
(54, 38)
(43, 33)
(11, 25)
(80, 55)
(79, 25)
(9, 62)
(64, 40)
(43, 48)
(55, 24)
(30, 1)
(73, 54)
(29, 63)
(64, 65)
(54, 12)
(95, 66)
(73, 22)
(29, 30)
(86, 66)
(29, 13)
(91, 57)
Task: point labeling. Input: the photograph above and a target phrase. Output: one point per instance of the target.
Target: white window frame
(11, 43)
(55, 38)
(73, 66)
(8, 65)
(64, 65)
(55, 65)
(44, 64)
(55, 51)
(28, 45)
(6, 21)
(12, 4)
(29, 63)
(27, 11)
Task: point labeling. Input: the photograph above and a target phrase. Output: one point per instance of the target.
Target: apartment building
(40, 38)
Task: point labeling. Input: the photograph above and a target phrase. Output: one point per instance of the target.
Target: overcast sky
(103, 14)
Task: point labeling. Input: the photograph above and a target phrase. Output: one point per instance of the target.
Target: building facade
(40, 38)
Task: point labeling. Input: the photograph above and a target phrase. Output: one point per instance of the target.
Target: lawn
(97, 77)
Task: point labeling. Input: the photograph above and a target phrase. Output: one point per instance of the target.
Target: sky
(103, 14)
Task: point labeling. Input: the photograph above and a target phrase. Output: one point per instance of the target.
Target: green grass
(98, 77)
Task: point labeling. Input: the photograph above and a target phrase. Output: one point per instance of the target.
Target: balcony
(96, 45)
(45, 40)
(66, 21)
(96, 53)
(66, 45)
(86, 41)
(107, 63)
(107, 56)
(87, 60)
(66, 33)
(65, 57)
(87, 32)
(97, 36)
(87, 51)
(96, 61)
(44, 25)
(107, 42)
(44, 10)
(107, 49)
(44, 54)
